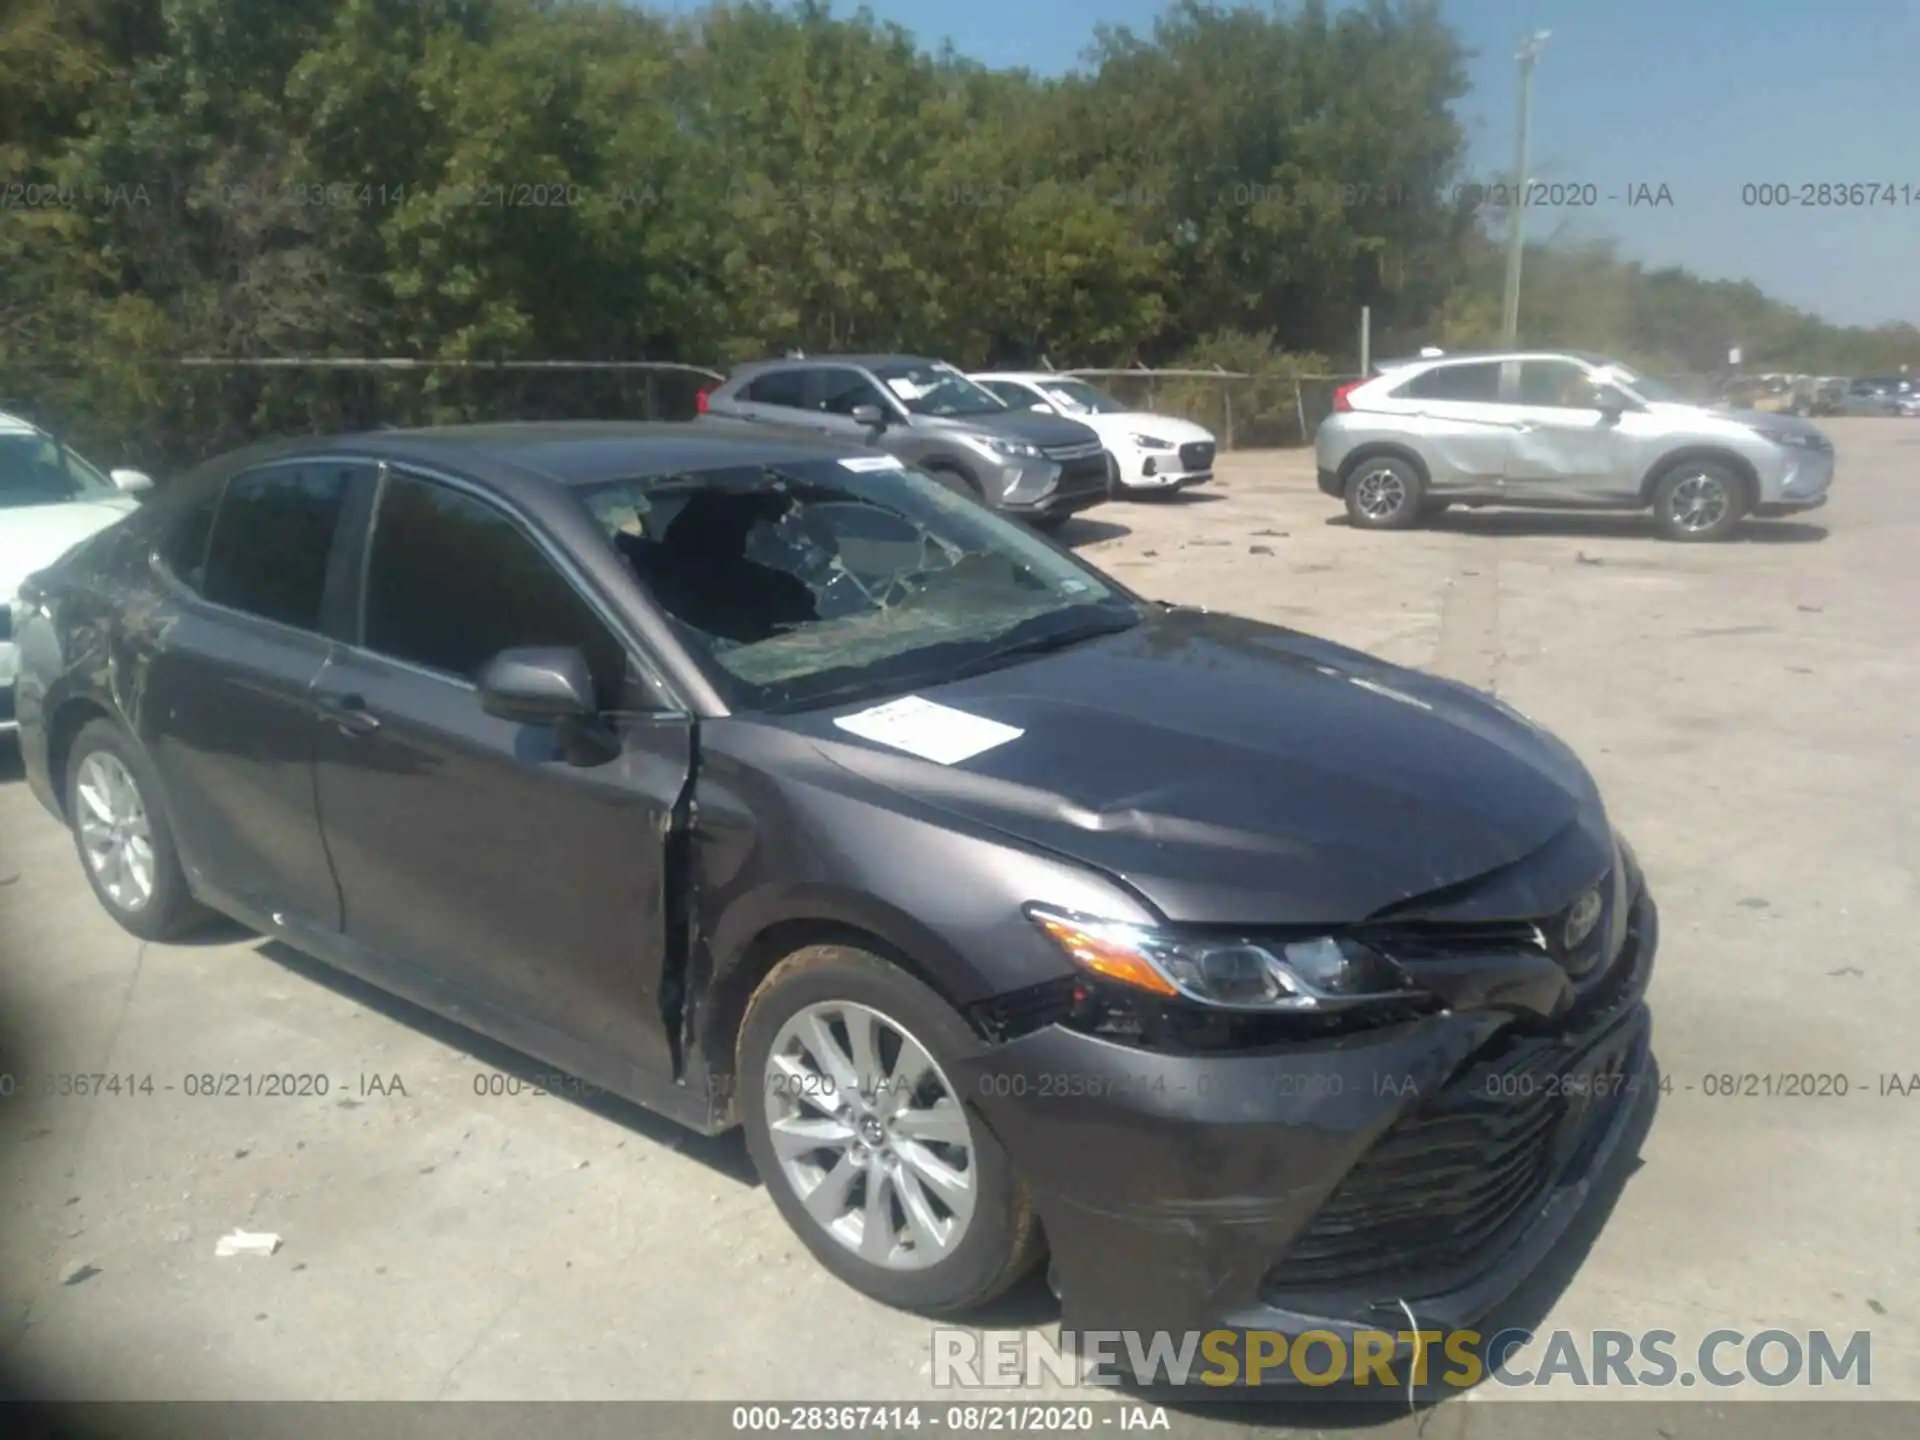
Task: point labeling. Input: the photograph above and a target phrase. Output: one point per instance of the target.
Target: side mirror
(1611, 403)
(538, 685)
(131, 481)
(871, 416)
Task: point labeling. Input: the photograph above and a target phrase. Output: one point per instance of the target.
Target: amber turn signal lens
(1105, 957)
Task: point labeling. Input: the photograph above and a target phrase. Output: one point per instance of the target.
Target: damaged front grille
(1021, 1012)
(1456, 1179)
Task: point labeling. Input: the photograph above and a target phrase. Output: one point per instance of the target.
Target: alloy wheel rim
(1699, 503)
(1380, 494)
(871, 1135)
(115, 833)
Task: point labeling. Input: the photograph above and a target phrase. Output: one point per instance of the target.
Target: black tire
(169, 909)
(1001, 1242)
(1385, 492)
(1434, 509)
(1699, 501)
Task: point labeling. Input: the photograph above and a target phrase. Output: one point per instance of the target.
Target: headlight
(1149, 442)
(1015, 449)
(1272, 976)
(1794, 439)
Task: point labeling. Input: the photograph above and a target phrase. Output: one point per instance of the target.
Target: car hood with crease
(1231, 772)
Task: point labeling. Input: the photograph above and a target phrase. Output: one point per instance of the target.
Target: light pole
(1527, 54)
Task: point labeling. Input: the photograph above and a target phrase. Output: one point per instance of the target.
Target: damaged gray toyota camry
(1241, 978)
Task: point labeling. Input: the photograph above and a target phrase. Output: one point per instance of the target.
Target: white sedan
(1144, 451)
(50, 500)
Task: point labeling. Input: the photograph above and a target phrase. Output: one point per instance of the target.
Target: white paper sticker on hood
(933, 732)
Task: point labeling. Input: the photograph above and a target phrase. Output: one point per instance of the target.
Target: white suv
(1144, 451)
(50, 500)
(1559, 430)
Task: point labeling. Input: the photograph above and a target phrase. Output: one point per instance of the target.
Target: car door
(836, 391)
(1565, 448)
(779, 396)
(1455, 416)
(225, 705)
(532, 890)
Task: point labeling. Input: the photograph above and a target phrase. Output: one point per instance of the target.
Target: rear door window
(785, 388)
(272, 540)
(1476, 382)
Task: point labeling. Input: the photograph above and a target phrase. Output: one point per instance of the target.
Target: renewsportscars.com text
(1720, 1359)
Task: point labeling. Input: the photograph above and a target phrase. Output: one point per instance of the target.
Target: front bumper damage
(1335, 1186)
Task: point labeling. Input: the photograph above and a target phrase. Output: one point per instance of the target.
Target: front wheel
(847, 1070)
(1698, 501)
(1385, 493)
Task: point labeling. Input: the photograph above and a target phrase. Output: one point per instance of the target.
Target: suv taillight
(1340, 400)
(700, 402)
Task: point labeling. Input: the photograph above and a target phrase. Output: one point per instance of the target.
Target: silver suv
(1563, 430)
(1039, 468)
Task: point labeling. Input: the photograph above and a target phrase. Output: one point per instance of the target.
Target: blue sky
(1704, 96)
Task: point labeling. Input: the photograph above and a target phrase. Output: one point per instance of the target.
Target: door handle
(350, 714)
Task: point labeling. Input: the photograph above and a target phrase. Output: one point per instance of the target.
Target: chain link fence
(166, 417)
(1245, 411)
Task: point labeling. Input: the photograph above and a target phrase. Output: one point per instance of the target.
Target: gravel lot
(1749, 709)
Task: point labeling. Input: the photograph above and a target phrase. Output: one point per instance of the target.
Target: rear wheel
(126, 847)
(1385, 493)
(847, 1070)
(1699, 500)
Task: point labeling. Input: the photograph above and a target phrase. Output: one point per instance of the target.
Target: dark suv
(1041, 468)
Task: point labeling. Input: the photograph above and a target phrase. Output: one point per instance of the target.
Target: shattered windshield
(824, 579)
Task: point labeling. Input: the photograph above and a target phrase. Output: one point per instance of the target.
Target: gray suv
(1041, 468)
(1562, 430)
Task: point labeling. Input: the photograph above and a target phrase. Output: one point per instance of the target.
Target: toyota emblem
(1581, 919)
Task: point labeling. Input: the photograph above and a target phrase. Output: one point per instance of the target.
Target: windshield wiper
(1045, 641)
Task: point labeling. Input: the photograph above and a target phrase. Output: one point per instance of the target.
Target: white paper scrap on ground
(933, 732)
(246, 1242)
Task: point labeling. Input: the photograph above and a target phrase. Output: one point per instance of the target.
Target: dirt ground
(1749, 709)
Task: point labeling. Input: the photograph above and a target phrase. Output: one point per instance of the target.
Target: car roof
(516, 457)
(803, 362)
(1483, 356)
(14, 425)
(1032, 377)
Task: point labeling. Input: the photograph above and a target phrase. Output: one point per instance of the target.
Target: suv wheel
(1384, 493)
(1699, 500)
(126, 848)
(847, 1070)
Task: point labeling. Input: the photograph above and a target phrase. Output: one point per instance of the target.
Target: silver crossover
(1560, 430)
